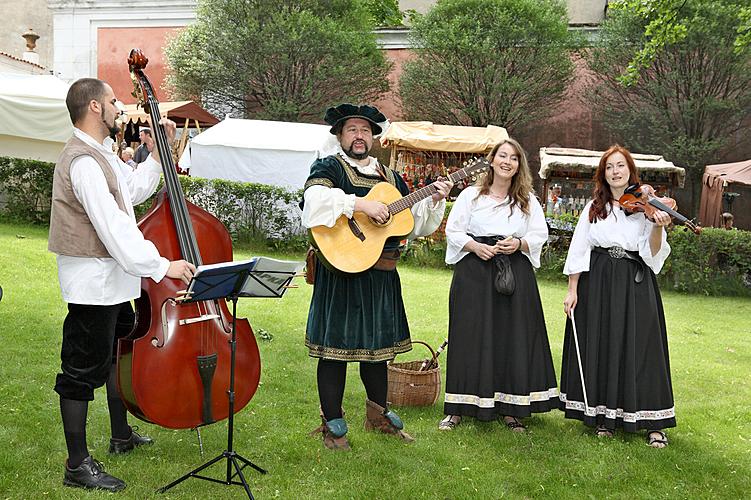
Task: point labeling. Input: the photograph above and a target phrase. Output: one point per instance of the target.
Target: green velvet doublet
(356, 317)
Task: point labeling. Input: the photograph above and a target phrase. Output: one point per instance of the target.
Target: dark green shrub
(251, 212)
(716, 262)
(26, 187)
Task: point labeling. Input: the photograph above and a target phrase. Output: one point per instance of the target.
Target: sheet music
(270, 276)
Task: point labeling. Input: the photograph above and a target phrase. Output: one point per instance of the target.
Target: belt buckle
(617, 252)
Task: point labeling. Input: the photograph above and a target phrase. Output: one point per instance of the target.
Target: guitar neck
(422, 193)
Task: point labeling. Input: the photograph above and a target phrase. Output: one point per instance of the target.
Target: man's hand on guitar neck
(373, 209)
(443, 188)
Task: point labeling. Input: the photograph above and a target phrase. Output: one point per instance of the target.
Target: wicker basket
(408, 386)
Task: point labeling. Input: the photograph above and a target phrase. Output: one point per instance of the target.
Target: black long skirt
(624, 350)
(499, 360)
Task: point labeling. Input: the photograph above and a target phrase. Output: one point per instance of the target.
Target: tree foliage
(667, 23)
(278, 59)
(384, 13)
(694, 94)
(480, 62)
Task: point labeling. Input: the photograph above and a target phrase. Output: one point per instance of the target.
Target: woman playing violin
(620, 325)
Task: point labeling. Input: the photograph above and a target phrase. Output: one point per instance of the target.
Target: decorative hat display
(336, 115)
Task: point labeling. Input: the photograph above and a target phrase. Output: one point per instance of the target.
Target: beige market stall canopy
(177, 111)
(427, 136)
(714, 181)
(586, 161)
(35, 123)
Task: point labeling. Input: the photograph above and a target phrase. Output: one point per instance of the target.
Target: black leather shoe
(90, 474)
(126, 445)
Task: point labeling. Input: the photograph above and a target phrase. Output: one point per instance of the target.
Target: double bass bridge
(198, 319)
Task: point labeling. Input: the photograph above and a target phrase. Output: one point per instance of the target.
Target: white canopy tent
(35, 122)
(260, 151)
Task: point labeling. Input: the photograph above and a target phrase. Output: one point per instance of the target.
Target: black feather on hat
(335, 116)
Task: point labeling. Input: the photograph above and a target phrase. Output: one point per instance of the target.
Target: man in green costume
(358, 317)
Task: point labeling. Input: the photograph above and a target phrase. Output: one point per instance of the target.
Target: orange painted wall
(113, 47)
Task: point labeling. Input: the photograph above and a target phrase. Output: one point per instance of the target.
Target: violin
(642, 198)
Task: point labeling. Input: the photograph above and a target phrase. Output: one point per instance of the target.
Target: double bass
(173, 369)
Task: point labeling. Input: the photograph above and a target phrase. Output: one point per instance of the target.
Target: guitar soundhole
(382, 224)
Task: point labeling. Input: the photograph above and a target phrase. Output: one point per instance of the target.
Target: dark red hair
(602, 197)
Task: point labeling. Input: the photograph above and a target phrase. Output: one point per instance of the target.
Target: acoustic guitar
(354, 245)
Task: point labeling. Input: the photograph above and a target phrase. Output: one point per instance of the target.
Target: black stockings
(332, 376)
(74, 425)
(118, 412)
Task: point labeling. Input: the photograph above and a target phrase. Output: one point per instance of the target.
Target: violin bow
(579, 359)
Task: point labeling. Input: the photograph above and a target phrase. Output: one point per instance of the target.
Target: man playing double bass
(358, 317)
(101, 258)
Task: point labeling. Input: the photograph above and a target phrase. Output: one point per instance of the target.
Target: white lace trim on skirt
(500, 397)
(631, 417)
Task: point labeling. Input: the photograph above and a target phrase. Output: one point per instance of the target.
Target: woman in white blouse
(499, 363)
(620, 325)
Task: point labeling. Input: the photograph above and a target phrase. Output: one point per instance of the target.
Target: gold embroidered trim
(385, 354)
(318, 181)
(359, 180)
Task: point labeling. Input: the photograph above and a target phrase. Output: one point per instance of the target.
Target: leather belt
(387, 261)
(617, 252)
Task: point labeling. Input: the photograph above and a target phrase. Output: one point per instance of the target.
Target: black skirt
(624, 350)
(499, 360)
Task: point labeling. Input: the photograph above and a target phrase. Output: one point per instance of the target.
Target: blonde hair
(521, 183)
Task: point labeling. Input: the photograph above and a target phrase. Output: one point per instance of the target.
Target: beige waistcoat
(71, 231)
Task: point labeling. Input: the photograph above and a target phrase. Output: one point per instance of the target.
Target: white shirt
(486, 216)
(628, 232)
(324, 205)
(109, 281)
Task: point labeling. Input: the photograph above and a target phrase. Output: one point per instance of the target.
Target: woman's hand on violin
(661, 218)
(569, 303)
(181, 270)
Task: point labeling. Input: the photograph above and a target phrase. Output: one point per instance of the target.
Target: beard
(112, 129)
(357, 156)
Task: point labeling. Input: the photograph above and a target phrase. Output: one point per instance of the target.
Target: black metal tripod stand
(234, 459)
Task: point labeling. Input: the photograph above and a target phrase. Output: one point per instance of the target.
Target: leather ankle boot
(334, 434)
(384, 420)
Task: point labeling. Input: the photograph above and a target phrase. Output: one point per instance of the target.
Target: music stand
(230, 281)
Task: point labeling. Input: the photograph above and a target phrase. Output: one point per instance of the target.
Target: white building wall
(17, 18)
(579, 11)
(75, 24)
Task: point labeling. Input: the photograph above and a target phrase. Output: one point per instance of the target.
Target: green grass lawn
(709, 454)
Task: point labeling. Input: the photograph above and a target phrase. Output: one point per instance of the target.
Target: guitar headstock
(476, 165)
